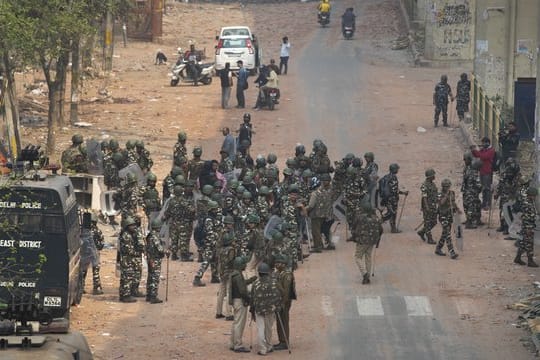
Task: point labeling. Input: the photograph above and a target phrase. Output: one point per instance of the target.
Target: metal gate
(524, 106)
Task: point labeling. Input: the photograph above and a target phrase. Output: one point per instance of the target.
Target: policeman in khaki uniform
(287, 284)
(225, 267)
(366, 232)
(320, 209)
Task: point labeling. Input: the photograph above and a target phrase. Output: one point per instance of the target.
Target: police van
(40, 274)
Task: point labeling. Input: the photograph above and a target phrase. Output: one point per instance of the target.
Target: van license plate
(52, 301)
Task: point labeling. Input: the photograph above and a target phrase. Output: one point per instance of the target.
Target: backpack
(497, 161)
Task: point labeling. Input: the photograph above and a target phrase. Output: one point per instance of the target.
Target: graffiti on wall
(453, 15)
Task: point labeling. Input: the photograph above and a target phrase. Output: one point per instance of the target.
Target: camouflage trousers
(430, 220)
(471, 205)
(152, 281)
(208, 255)
(292, 250)
(362, 257)
(130, 274)
(180, 237)
(526, 244)
(391, 209)
(446, 236)
(95, 276)
(503, 200)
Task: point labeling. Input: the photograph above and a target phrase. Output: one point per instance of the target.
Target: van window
(53, 224)
(234, 43)
(234, 32)
(26, 223)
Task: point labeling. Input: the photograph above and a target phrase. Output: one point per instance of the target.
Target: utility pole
(108, 43)
(537, 113)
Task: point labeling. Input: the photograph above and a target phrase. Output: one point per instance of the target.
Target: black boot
(137, 294)
(518, 260)
(185, 257)
(469, 225)
(454, 256)
(531, 262)
(394, 229)
(439, 252)
(97, 291)
(366, 280)
(215, 279)
(430, 239)
(174, 256)
(422, 234)
(197, 281)
(127, 299)
(155, 300)
(200, 259)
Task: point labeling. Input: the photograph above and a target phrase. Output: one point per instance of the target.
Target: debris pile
(530, 319)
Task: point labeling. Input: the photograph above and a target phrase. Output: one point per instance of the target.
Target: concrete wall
(505, 44)
(449, 29)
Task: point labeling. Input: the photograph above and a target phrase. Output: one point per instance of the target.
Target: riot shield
(340, 209)
(95, 157)
(272, 224)
(134, 169)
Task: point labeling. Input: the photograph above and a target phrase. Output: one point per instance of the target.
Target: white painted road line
(369, 306)
(326, 304)
(418, 306)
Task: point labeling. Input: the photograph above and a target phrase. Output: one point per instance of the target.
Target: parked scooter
(180, 73)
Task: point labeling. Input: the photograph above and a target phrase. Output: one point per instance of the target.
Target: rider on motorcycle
(268, 81)
(324, 7)
(348, 19)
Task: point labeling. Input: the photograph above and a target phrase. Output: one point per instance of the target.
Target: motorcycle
(348, 32)
(268, 97)
(180, 72)
(324, 19)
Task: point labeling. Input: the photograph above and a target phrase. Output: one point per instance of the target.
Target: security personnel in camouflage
(212, 229)
(150, 196)
(340, 174)
(429, 206)
(225, 260)
(195, 165)
(169, 181)
(266, 299)
(290, 209)
(471, 188)
(143, 157)
(252, 245)
(528, 225)
(355, 190)
(226, 165)
(447, 209)
(320, 163)
(287, 283)
(440, 100)
(506, 190)
(304, 186)
(129, 197)
(263, 204)
(366, 232)
(131, 249)
(180, 214)
(131, 152)
(371, 173)
(391, 201)
(154, 254)
(180, 150)
(319, 210)
(74, 159)
(99, 241)
(275, 247)
(239, 299)
(111, 177)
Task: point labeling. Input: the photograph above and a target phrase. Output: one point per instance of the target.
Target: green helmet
(239, 263)
(357, 162)
(446, 183)
(113, 144)
(248, 178)
(253, 219)
(369, 155)
(467, 155)
(264, 190)
(175, 171)
(207, 190)
(156, 223)
(228, 219)
(271, 158)
(281, 259)
(246, 195)
(139, 144)
(104, 145)
(151, 177)
(240, 189)
(277, 235)
(117, 157)
(190, 183)
(77, 139)
(288, 171)
(263, 268)
(393, 168)
(128, 221)
(180, 180)
(130, 178)
(217, 184)
(532, 191)
(197, 151)
(227, 239)
(213, 205)
(130, 144)
(233, 184)
(307, 173)
(430, 173)
(177, 190)
(293, 188)
(217, 196)
(182, 136)
(349, 156)
(291, 162)
(476, 164)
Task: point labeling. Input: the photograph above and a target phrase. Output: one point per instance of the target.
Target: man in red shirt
(487, 155)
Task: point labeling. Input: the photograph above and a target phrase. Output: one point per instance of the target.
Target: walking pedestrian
(447, 208)
(154, 254)
(241, 84)
(429, 206)
(287, 284)
(463, 96)
(366, 232)
(229, 143)
(528, 224)
(225, 76)
(440, 100)
(487, 155)
(509, 141)
(284, 55)
(239, 299)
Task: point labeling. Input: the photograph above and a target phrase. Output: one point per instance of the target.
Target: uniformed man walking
(528, 224)
(154, 254)
(429, 206)
(131, 249)
(440, 100)
(239, 299)
(447, 208)
(366, 232)
(287, 284)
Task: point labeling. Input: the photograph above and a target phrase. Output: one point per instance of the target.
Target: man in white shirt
(284, 55)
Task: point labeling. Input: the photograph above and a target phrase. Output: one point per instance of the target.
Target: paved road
(387, 320)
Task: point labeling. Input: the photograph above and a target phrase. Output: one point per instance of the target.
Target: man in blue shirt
(241, 84)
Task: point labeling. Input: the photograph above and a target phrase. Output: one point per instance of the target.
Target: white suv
(237, 43)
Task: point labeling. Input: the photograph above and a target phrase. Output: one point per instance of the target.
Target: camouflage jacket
(263, 209)
(129, 199)
(320, 204)
(154, 245)
(131, 245)
(226, 257)
(528, 216)
(213, 227)
(110, 172)
(288, 284)
(179, 154)
(194, 168)
(372, 173)
(97, 235)
(429, 196)
(144, 160)
(447, 204)
(355, 190)
(393, 185)
(320, 164)
(151, 200)
(132, 156)
(265, 295)
(471, 181)
(367, 229)
(226, 166)
(289, 211)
